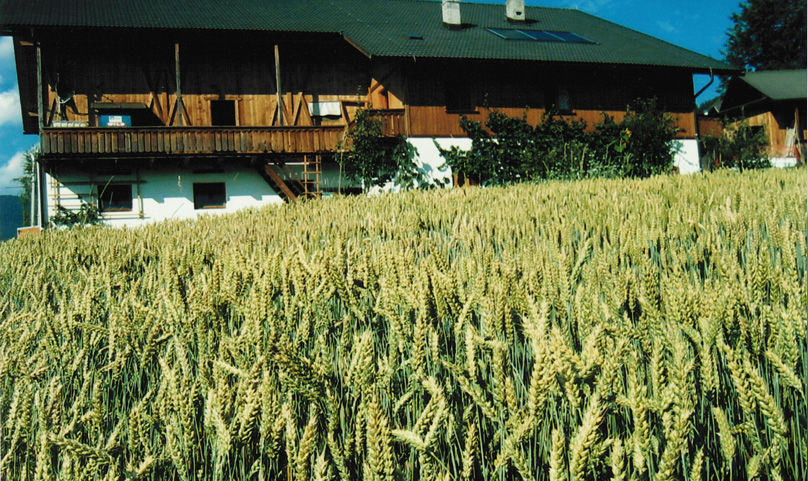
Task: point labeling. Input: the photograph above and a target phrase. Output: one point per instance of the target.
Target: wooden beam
(296, 112)
(179, 84)
(279, 182)
(278, 84)
(39, 100)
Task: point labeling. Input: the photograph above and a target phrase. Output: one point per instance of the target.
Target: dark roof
(377, 27)
(778, 84)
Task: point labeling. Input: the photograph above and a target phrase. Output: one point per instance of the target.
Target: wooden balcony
(91, 141)
(106, 141)
(392, 121)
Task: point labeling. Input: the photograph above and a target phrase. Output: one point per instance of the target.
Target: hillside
(10, 216)
(605, 329)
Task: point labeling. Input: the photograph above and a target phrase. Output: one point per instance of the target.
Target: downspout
(712, 79)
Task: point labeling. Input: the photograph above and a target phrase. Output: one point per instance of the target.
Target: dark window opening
(114, 198)
(558, 99)
(459, 97)
(209, 195)
(223, 112)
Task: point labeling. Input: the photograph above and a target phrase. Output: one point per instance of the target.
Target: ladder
(312, 168)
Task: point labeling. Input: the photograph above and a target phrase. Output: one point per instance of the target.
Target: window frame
(105, 193)
(459, 96)
(206, 204)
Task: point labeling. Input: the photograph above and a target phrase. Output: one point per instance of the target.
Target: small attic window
(415, 36)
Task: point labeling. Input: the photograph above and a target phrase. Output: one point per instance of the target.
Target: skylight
(539, 35)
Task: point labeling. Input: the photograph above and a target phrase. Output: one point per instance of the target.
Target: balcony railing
(190, 140)
(203, 140)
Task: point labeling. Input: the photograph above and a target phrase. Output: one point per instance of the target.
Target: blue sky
(698, 25)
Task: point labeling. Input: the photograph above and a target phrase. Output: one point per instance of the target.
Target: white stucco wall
(429, 162)
(163, 194)
(783, 162)
(687, 156)
(428, 157)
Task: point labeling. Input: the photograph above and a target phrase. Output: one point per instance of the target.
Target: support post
(278, 84)
(34, 183)
(180, 109)
(798, 138)
(42, 195)
(40, 108)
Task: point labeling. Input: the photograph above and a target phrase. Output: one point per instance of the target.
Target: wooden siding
(519, 90)
(83, 80)
(779, 125)
(429, 121)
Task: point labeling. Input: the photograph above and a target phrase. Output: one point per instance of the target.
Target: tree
(768, 35)
(375, 159)
(27, 181)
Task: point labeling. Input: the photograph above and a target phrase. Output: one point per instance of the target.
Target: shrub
(87, 214)
(737, 146)
(641, 145)
(375, 159)
(509, 150)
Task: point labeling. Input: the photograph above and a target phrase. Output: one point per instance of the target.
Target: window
(458, 96)
(557, 98)
(223, 112)
(563, 100)
(209, 195)
(114, 197)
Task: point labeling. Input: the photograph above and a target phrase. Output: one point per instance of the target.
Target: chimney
(515, 11)
(451, 14)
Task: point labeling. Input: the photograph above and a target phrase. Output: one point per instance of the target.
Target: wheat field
(605, 329)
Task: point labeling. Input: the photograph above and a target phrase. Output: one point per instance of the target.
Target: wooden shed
(774, 101)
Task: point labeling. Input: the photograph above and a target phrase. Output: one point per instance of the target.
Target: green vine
(87, 214)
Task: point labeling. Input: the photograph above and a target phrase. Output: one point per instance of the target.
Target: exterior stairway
(286, 182)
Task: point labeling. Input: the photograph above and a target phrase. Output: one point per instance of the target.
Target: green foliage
(508, 149)
(87, 214)
(768, 35)
(737, 146)
(375, 159)
(641, 144)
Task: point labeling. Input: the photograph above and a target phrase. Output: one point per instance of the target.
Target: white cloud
(666, 26)
(589, 6)
(6, 49)
(10, 107)
(12, 169)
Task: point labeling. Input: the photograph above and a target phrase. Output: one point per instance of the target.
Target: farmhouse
(775, 102)
(157, 109)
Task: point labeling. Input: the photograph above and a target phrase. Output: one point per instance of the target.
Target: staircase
(286, 182)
